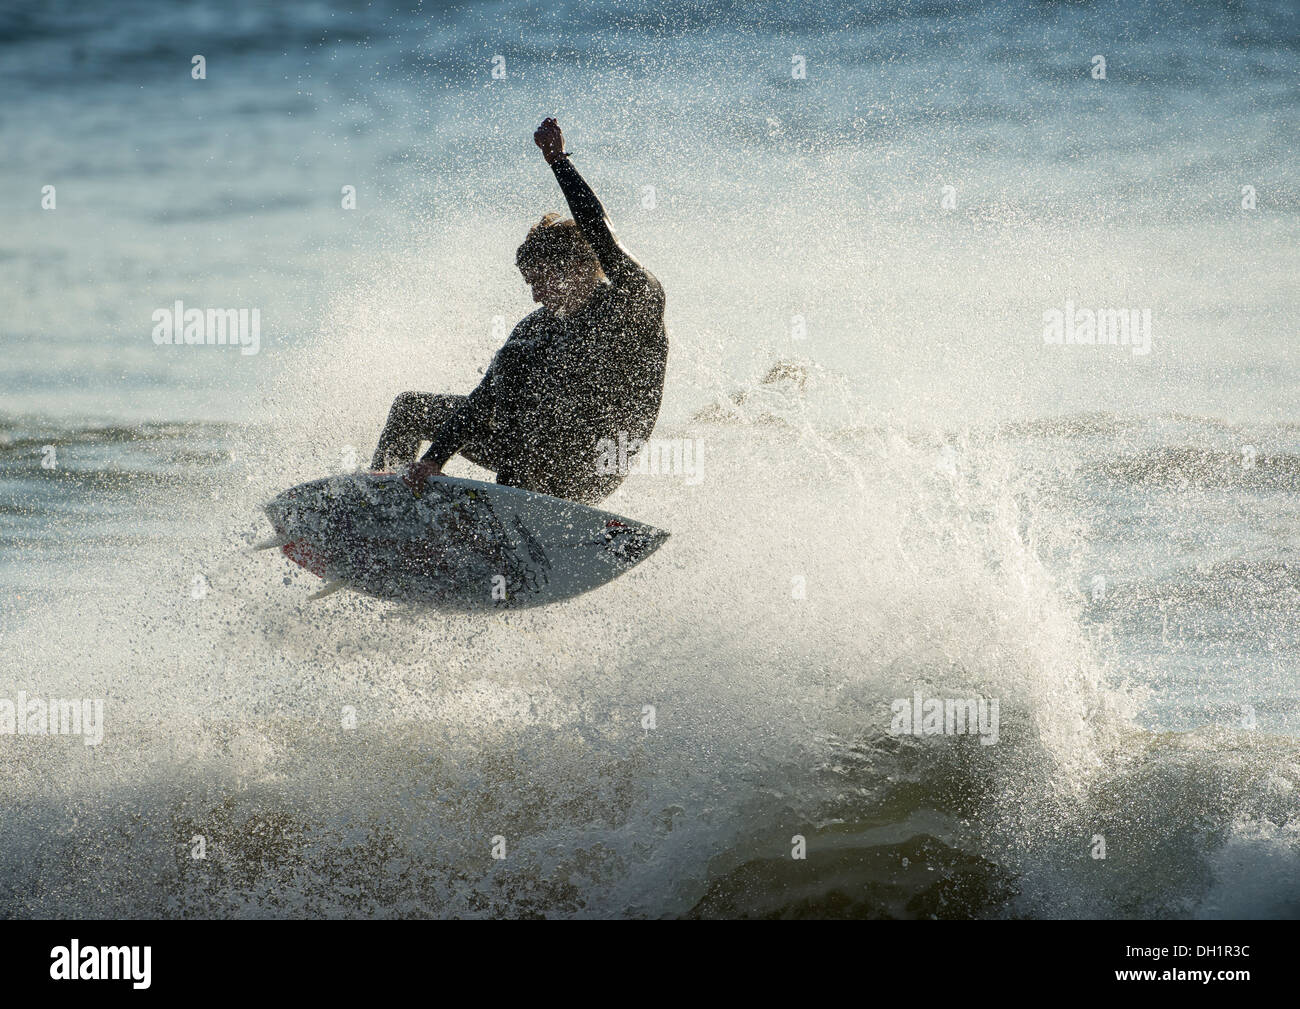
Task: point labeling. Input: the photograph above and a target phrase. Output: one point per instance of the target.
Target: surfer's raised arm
(587, 211)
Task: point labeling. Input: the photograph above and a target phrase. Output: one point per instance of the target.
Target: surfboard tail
(329, 589)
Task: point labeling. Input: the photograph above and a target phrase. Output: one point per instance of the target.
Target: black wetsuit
(559, 386)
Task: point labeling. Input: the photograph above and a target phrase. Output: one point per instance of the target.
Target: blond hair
(557, 243)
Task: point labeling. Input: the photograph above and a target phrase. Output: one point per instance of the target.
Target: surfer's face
(556, 288)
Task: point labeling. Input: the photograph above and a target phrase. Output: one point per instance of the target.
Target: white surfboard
(461, 545)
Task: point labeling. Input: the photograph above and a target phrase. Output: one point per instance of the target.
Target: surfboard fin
(329, 589)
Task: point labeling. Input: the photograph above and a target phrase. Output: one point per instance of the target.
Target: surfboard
(461, 545)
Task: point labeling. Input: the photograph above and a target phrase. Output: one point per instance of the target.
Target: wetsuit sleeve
(587, 211)
(470, 421)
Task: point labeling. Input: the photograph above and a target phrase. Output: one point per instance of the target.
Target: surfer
(586, 366)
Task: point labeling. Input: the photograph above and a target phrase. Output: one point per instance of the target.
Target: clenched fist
(549, 138)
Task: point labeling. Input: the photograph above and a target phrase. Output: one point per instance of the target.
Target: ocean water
(1101, 539)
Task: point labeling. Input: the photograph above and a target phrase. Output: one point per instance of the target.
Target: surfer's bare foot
(420, 472)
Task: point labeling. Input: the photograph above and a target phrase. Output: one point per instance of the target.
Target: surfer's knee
(408, 408)
(405, 402)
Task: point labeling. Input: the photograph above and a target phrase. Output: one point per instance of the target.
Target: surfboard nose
(630, 542)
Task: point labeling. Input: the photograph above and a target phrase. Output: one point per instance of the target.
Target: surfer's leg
(414, 417)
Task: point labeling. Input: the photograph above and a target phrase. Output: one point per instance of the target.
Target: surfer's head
(558, 264)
